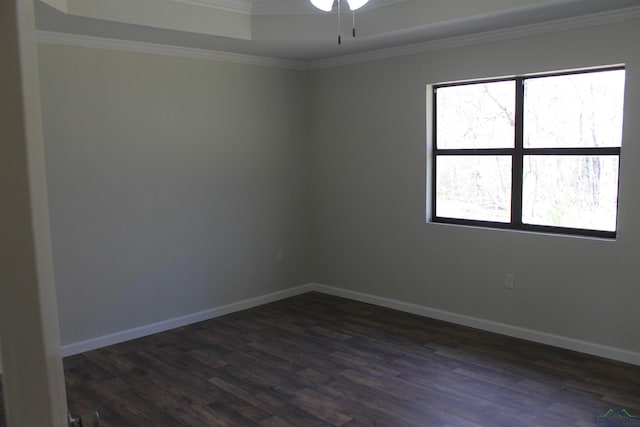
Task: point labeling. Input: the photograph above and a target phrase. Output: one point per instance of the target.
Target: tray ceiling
(294, 30)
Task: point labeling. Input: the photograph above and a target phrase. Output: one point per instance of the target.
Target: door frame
(33, 377)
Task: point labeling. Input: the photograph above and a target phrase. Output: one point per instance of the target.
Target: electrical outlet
(509, 280)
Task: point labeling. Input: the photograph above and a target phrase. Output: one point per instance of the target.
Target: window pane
(474, 187)
(571, 191)
(577, 110)
(476, 115)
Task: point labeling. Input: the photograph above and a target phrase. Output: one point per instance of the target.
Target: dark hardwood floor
(319, 360)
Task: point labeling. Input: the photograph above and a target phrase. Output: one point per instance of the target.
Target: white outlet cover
(509, 280)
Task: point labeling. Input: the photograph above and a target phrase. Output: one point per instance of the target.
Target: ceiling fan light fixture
(325, 5)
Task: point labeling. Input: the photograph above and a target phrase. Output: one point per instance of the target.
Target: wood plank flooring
(318, 360)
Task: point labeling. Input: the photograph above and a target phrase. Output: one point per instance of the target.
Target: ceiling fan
(327, 6)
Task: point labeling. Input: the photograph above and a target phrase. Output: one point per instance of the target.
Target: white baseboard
(460, 319)
(486, 325)
(176, 322)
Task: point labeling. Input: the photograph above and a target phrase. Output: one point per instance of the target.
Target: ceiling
(294, 30)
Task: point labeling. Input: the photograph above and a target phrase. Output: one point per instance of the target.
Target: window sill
(523, 232)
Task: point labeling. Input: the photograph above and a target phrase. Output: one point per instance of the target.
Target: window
(537, 153)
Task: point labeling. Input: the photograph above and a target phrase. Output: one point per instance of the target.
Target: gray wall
(368, 161)
(172, 182)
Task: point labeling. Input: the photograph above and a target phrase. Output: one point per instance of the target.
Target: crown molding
(47, 37)
(610, 17)
(238, 6)
(603, 18)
